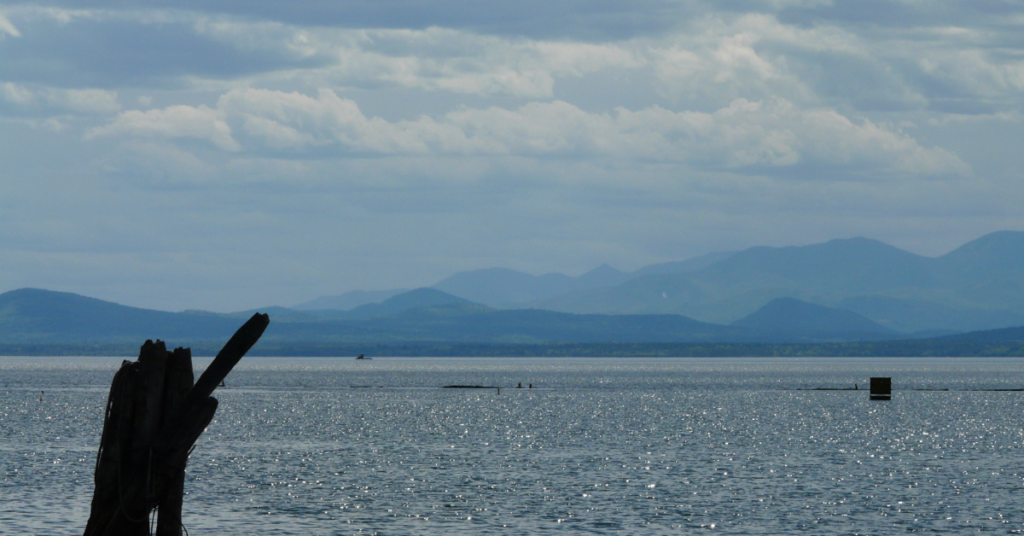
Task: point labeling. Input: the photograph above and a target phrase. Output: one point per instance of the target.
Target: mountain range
(842, 290)
(426, 315)
(979, 285)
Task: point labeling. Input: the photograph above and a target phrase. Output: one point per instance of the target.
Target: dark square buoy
(881, 388)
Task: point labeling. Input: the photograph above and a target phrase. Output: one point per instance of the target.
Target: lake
(598, 446)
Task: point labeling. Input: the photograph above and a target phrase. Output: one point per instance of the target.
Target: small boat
(361, 357)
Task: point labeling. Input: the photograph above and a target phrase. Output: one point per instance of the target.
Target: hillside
(808, 320)
(34, 315)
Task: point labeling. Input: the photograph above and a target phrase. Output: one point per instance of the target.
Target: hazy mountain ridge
(505, 288)
(978, 285)
(841, 284)
(39, 316)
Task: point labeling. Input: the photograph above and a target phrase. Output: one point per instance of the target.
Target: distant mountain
(33, 315)
(988, 273)
(854, 289)
(980, 284)
(502, 287)
(808, 320)
(348, 300)
(420, 298)
(505, 288)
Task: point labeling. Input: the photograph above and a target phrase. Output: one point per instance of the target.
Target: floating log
(473, 387)
(154, 415)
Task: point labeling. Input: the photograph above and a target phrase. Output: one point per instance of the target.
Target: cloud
(49, 101)
(565, 19)
(112, 50)
(173, 122)
(745, 134)
(705, 61)
(442, 136)
(754, 56)
(7, 28)
(16, 94)
(89, 101)
(434, 59)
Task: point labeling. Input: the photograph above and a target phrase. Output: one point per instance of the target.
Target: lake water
(599, 446)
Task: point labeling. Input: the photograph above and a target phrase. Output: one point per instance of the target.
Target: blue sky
(227, 154)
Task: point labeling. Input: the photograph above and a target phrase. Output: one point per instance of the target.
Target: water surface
(600, 446)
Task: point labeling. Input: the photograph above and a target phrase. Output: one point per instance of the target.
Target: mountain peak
(603, 269)
(422, 297)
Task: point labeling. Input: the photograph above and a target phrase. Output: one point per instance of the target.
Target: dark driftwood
(154, 415)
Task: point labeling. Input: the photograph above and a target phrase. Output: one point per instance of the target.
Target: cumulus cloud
(546, 135)
(173, 122)
(708, 61)
(942, 69)
(744, 134)
(709, 58)
(433, 59)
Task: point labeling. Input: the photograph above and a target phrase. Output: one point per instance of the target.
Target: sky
(229, 154)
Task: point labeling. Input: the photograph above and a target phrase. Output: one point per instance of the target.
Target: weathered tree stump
(153, 418)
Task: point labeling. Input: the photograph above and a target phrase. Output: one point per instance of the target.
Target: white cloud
(16, 94)
(173, 122)
(768, 134)
(7, 28)
(707, 61)
(294, 120)
(89, 101)
(445, 148)
(752, 56)
(434, 59)
(52, 100)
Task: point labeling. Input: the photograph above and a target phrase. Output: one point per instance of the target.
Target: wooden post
(178, 383)
(881, 389)
(154, 415)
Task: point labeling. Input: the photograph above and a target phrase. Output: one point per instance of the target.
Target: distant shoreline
(901, 348)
